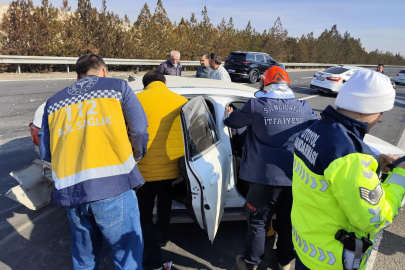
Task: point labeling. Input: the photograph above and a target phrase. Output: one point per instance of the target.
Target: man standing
(159, 166)
(171, 66)
(205, 69)
(339, 201)
(380, 68)
(218, 71)
(273, 120)
(94, 132)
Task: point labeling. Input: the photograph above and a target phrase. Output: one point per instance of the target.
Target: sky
(379, 24)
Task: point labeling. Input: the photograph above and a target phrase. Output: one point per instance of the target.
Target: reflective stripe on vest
(94, 173)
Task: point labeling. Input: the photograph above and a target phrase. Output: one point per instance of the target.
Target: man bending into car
(94, 133)
(273, 120)
(160, 165)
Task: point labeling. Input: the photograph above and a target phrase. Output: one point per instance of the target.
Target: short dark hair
(380, 65)
(87, 62)
(216, 57)
(153, 76)
(206, 55)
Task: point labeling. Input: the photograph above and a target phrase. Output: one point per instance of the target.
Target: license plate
(320, 78)
(231, 70)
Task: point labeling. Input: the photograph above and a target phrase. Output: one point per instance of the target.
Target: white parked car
(332, 79)
(210, 191)
(400, 78)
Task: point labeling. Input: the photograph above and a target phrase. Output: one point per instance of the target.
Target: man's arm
(44, 137)
(368, 204)
(240, 118)
(180, 68)
(162, 68)
(136, 121)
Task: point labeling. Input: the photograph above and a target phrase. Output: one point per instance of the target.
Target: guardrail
(49, 60)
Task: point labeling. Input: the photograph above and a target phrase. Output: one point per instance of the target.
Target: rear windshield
(237, 57)
(402, 71)
(335, 70)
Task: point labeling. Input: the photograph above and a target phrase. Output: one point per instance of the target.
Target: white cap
(368, 92)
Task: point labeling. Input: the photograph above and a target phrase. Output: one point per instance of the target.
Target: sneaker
(242, 265)
(167, 265)
(285, 267)
(163, 239)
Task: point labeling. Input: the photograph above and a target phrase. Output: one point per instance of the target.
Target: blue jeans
(117, 219)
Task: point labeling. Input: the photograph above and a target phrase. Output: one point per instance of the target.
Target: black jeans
(146, 199)
(261, 203)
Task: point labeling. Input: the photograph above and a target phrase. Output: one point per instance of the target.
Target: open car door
(208, 165)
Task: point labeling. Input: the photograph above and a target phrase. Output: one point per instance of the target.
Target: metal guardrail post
(185, 68)
(18, 69)
(67, 68)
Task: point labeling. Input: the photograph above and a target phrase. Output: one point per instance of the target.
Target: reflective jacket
(162, 108)
(272, 125)
(93, 132)
(336, 186)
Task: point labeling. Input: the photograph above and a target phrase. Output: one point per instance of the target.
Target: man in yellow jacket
(159, 167)
(339, 201)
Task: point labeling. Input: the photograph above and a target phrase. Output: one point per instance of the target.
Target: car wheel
(232, 78)
(253, 76)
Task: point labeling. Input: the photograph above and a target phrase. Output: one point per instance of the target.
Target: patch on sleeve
(371, 196)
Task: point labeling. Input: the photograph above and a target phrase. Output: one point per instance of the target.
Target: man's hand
(228, 110)
(386, 160)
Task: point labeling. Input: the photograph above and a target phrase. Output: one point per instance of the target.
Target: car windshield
(237, 57)
(335, 70)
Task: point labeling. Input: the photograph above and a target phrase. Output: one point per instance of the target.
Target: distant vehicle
(332, 79)
(249, 65)
(400, 78)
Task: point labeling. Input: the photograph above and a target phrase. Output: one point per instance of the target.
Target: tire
(232, 78)
(253, 76)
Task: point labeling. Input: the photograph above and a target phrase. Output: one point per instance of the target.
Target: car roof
(199, 86)
(247, 52)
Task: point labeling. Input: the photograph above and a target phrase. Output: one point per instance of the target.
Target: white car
(332, 79)
(400, 78)
(210, 191)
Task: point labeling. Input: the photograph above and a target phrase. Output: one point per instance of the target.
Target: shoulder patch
(371, 196)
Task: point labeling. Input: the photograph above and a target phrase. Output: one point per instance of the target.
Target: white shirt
(220, 74)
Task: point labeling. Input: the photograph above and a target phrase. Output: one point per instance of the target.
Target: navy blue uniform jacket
(272, 126)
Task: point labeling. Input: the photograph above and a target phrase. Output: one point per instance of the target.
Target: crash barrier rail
(49, 60)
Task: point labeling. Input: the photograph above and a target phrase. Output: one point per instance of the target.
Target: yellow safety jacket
(336, 186)
(162, 108)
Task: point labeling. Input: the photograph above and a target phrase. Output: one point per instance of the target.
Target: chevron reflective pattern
(304, 174)
(326, 257)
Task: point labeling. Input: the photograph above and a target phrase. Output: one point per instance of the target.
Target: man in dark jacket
(273, 119)
(171, 66)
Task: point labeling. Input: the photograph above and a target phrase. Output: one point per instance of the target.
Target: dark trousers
(299, 265)
(261, 203)
(146, 198)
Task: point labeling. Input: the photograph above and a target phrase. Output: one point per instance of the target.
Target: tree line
(51, 31)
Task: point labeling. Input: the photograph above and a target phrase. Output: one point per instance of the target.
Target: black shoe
(163, 239)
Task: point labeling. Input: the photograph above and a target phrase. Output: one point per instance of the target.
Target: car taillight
(246, 63)
(397, 74)
(34, 134)
(314, 75)
(335, 79)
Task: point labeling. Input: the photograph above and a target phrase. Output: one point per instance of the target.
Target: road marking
(306, 78)
(400, 101)
(308, 97)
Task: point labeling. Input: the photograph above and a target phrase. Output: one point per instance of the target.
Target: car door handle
(214, 178)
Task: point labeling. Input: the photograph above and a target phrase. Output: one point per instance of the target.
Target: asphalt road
(41, 239)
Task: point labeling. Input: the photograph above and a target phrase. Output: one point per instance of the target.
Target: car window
(269, 59)
(402, 71)
(336, 70)
(260, 58)
(237, 57)
(250, 57)
(200, 127)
